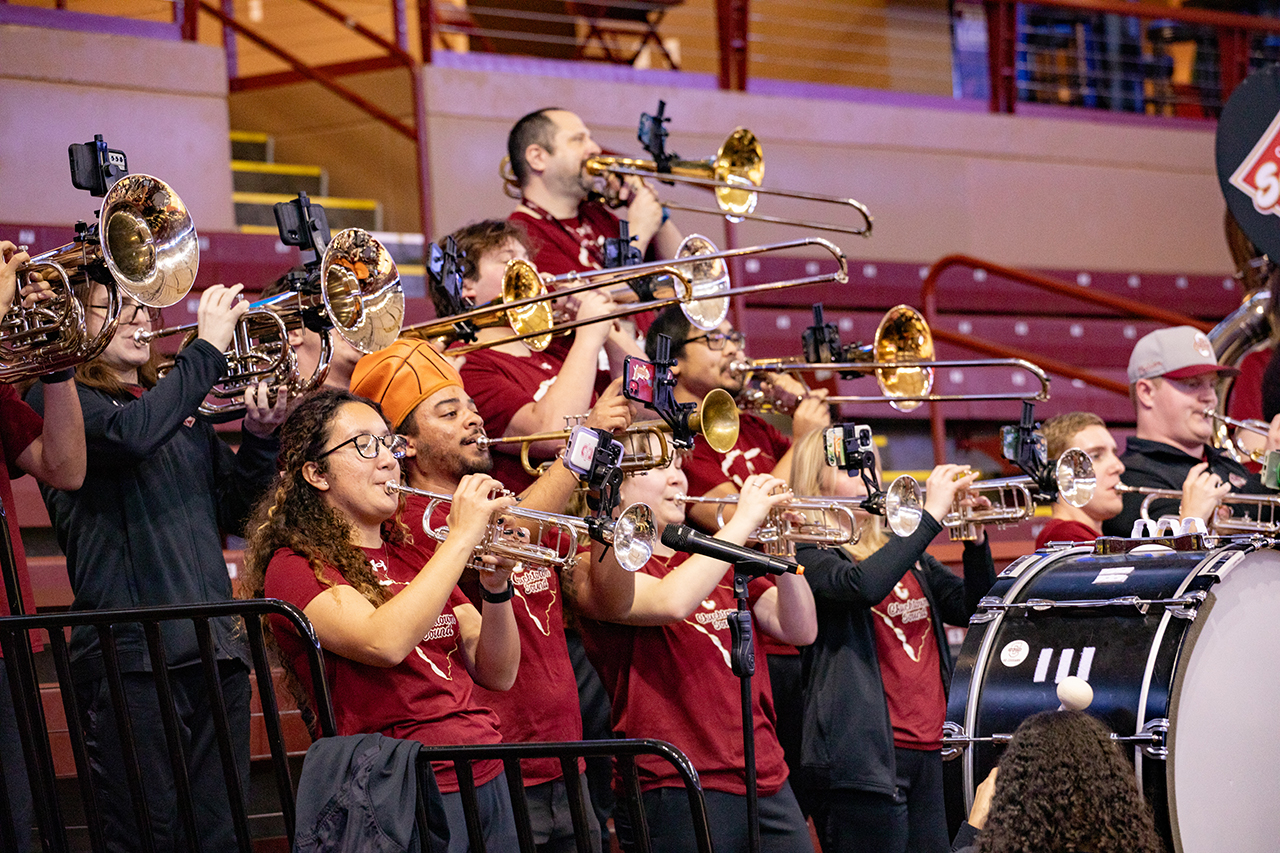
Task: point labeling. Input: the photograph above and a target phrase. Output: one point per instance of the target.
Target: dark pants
(782, 828)
(497, 820)
(15, 766)
(913, 820)
(788, 704)
(593, 699)
(551, 820)
(193, 704)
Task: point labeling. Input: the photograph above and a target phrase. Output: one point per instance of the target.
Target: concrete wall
(1037, 191)
(164, 103)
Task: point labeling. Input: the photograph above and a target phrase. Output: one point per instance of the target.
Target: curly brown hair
(1065, 787)
(292, 515)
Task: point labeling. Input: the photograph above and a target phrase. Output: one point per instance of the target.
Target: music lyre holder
(306, 226)
(444, 272)
(1024, 447)
(664, 403)
(652, 134)
(95, 168)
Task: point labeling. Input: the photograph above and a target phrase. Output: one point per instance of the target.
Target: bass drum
(1181, 649)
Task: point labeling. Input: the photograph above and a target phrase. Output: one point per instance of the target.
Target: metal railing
(1120, 305)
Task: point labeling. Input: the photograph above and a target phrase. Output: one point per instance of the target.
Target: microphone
(682, 537)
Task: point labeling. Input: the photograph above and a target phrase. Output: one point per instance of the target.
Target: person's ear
(1143, 391)
(296, 337)
(315, 477)
(536, 157)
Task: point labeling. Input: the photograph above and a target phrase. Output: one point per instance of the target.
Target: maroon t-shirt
(909, 666)
(19, 426)
(427, 697)
(673, 682)
(546, 674)
(501, 384)
(1062, 530)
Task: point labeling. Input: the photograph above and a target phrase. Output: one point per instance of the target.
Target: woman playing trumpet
(329, 540)
(662, 649)
(876, 677)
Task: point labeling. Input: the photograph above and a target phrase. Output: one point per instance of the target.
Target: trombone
(553, 538)
(1266, 523)
(823, 521)
(359, 296)
(716, 420)
(145, 247)
(900, 356)
(1013, 499)
(706, 280)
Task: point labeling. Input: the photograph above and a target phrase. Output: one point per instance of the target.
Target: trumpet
(1264, 507)
(699, 273)
(553, 538)
(1013, 499)
(716, 420)
(823, 521)
(1253, 425)
(900, 356)
(359, 296)
(145, 247)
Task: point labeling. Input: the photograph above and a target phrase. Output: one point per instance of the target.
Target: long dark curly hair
(1065, 787)
(292, 515)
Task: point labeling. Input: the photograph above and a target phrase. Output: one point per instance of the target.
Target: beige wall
(164, 103)
(1026, 191)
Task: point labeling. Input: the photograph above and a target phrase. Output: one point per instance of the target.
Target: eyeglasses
(715, 340)
(367, 445)
(128, 316)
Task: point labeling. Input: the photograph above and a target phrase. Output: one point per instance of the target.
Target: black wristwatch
(498, 597)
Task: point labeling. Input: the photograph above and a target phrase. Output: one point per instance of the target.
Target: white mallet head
(1074, 693)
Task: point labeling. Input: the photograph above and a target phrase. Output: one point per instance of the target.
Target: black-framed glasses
(715, 340)
(129, 311)
(366, 445)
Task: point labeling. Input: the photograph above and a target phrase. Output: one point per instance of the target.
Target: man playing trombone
(1172, 377)
(422, 396)
(548, 150)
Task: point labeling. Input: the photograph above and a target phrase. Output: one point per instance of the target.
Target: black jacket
(1161, 466)
(144, 527)
(848, 739)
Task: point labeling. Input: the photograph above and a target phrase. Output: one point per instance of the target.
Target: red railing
(1122, 306)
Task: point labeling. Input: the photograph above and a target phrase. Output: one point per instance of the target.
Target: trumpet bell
(706, 279)
(717, 420)
(739, 162)
(903, 505)
(1076, 478)
(522, 281)
(903, 335)
(361, 290)
(633, 536)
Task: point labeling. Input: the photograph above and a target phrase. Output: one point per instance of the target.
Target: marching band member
(405, 646)
(1088, 432)
(876, 677)
(1172, 376)
(145, 529)
(520, 391)
(51, 450)
(661, 646)
(548, 150)
(702, 365)
(423, 398)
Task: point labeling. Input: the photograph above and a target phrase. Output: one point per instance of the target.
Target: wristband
(666, 214)
(498, 597)
(63, 375)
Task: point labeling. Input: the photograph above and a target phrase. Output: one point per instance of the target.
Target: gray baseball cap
(1177, 353)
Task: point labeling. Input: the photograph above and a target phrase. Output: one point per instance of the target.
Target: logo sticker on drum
(1015, 653)
(1119, 574)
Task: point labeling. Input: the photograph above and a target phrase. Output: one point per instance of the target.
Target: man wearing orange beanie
(422, 395)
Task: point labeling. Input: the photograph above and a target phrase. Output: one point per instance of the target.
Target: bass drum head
(1224, 741)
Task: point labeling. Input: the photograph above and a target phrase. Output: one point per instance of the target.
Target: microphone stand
(742, 659)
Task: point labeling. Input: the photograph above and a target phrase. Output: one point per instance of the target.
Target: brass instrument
(736, 175)
(1253, 425)
(900, 356)
(145, 247)
(553, 538)
(1013, 499)
(699, 275)
(823, 521)
(360, 296)
(716, 420)
(1241, 332)
(1266, 508)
